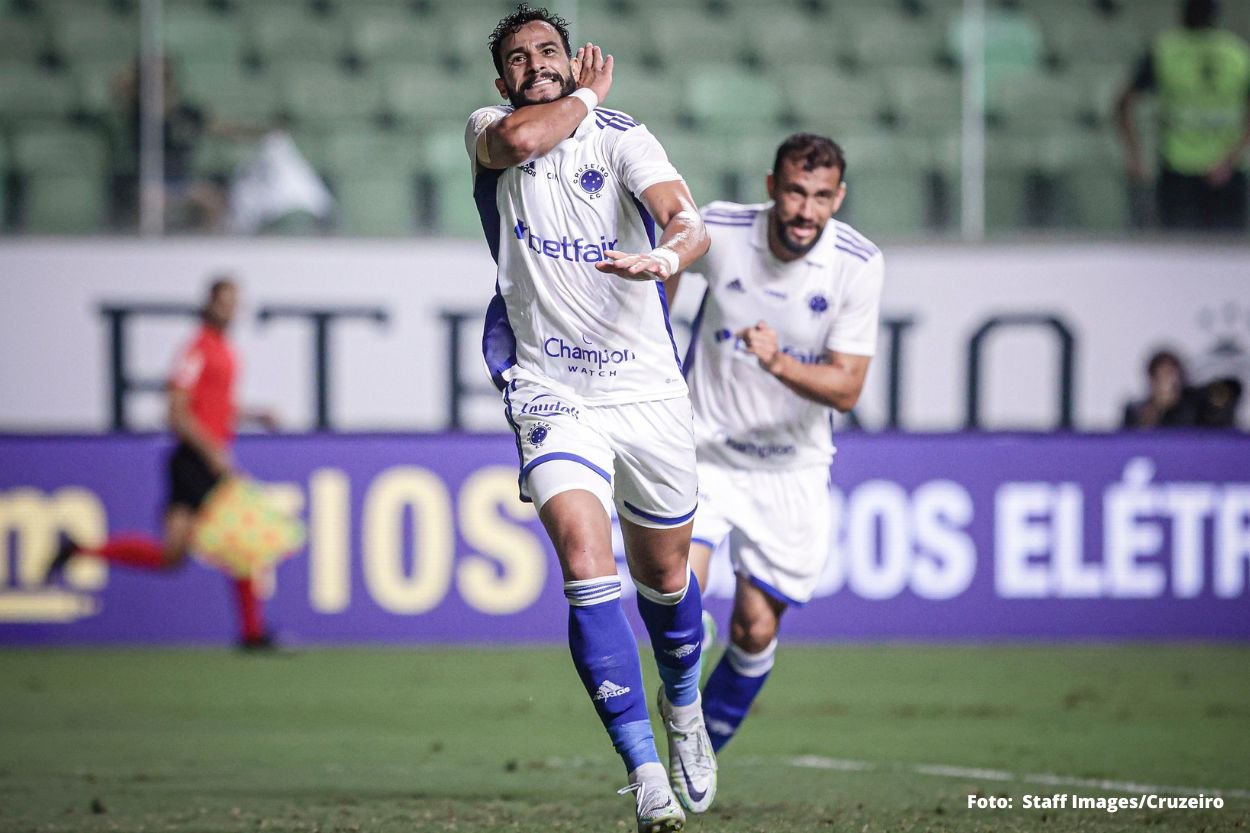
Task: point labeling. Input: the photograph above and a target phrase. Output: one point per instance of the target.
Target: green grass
(504, 740)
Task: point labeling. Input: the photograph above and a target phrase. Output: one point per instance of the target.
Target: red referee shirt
(206, 371)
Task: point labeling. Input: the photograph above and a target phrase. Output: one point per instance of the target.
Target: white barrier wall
(1118, 303)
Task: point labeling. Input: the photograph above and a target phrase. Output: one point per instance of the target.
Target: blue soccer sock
(606, 656)
(731, 689)
(675, 623)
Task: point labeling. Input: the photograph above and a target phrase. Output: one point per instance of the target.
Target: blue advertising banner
(422, 539)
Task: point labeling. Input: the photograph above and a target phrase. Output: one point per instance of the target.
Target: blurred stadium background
(983, 491)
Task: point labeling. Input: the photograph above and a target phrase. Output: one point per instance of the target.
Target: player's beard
(567, 85)
(779, 229)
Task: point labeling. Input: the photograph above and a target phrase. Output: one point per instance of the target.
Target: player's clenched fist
(593, 70)
(761, 342)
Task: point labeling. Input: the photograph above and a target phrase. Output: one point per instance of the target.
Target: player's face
(536, 68)
(222, 306)
(803, 202)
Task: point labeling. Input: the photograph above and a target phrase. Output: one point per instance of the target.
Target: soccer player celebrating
(577, 339)
(202, 415)
(785, 332)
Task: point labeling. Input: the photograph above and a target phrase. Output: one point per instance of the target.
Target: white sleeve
(640, 161)
(854, 329)
(480, 119)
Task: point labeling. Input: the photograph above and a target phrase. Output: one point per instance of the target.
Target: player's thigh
(756, 616)
(782, 528)
(655, 479)
(558, 446)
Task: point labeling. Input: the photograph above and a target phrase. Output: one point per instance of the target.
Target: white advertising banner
(359, 335)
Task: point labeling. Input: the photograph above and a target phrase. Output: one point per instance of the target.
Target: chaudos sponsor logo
(572, 249)
(588, 360)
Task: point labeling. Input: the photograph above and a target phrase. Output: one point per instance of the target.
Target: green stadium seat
(419, 95)
(1014, 43)
(219, 156)
(724, 96)
(1038, 102)
(896, 41)
(1089, 35)
(648, 96)
(64, 186)
(322, 92)
(1014, 166)
(95, 83)
(888, 191)
(445, 168)
(683, 33)
(231, 92)
(93, 33)
(823, 95)
(622, 37)
(787, 36)
(394, 34)
(22, 38)
(374, 175)
(29, 92)
(925, 98)
(197, 33)
(1093, 192)
(285, 32)
(703, 161)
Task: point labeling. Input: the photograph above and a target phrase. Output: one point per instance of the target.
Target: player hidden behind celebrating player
(785, 331)
(578, 340)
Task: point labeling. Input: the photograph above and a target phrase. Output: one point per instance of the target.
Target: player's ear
(502, 87)
(768, 186)
(838, 197)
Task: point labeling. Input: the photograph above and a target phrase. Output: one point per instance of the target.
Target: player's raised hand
(761, 342)
(646, 267)
(593, 70)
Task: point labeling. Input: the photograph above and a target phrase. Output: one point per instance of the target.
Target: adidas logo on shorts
(610, 689)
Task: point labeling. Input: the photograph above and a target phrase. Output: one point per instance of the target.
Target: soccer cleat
(656, 807)
(65, 550)
(262, 644)
(709, 632)
(691, 761)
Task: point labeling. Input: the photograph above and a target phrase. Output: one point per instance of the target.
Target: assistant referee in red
(202, 415)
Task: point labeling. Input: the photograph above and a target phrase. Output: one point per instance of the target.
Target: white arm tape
(669, 257)
(587, 97)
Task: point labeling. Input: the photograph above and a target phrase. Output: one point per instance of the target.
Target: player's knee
(173, 557)
(752, 635)
(662, 579)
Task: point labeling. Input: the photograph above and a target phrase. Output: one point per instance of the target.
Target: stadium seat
(888, 184)
(373, 174)
(322, 92)
(723, 96)
(446, 172)
(63, 174)
(1092, 188)
(790, 37)
(284, 32)
(649, 96)
(685, 33)
(925, 98)
(393, 33)
(31, 93)
(422, 95)
(896, 41)
(231, 92)
(620, 36)
(196, 33)
(1014, 170)
(1014, 43)
(22, 38)
(95, 83)
(93, 33)
(1080, 36)
(1037, 102)
(819, 94)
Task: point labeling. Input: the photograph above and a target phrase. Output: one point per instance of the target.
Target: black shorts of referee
(190, 478)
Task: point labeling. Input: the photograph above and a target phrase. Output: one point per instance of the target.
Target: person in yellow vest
(1201, 74)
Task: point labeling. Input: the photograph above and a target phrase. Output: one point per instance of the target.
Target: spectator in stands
(1201, 74)
(190, 204)
(1171, 403)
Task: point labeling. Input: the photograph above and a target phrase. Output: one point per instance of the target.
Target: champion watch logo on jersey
(538, 434)
(591, 178)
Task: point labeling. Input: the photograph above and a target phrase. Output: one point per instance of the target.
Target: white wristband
(587, 97)
(669, 257)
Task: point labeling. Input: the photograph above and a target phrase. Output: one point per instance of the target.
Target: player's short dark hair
(1161, 357)
(512, 24)
(218, 284)
(812, 151)
(1200, 14)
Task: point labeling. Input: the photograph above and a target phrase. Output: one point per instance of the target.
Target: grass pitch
(504, 740)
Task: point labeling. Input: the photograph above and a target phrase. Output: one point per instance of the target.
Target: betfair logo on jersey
(577, 250)
(587, 361)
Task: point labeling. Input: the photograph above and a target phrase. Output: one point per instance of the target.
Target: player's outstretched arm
(836, 383)
(537, 128)
(683, 242)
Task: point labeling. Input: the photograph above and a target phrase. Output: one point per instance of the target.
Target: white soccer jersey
(555, 318)
(827, 300)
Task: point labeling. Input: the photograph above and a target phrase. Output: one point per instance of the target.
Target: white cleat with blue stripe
(691, 761)
(655, 805)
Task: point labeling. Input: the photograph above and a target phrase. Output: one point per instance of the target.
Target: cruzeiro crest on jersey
(590, 179)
